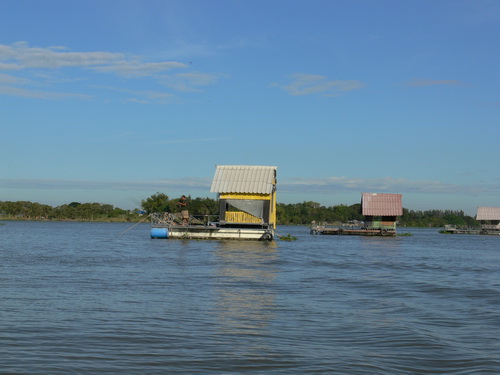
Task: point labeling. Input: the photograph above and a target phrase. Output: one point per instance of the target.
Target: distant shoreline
(110, 220)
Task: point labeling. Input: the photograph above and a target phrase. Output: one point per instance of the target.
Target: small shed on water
(381, 209)
(489, 217)
(247, 195)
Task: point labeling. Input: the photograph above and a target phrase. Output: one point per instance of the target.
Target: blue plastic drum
(159, 233)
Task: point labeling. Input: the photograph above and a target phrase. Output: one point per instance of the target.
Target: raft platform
(351, 230)
(451, 229)
(166, 225)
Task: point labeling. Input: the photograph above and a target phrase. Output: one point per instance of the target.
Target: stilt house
(381, 210)
(247, 195)
(489, 217)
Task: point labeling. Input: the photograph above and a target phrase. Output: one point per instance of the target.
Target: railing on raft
(168, 219)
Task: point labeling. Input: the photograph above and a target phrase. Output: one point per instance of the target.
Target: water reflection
(245, 293)
(384, 244)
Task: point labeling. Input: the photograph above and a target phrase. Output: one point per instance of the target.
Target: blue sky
(111, 101)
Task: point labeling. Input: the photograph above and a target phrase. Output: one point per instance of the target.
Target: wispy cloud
(308, 84)
(135, 69)
(140, 96)
(21, 56)
(434, 82)
(38, 94)
(7, 79)
(332, 185)
(188, 81)
(191, 140)
(327, 185)
(51, 184)
(32, 67)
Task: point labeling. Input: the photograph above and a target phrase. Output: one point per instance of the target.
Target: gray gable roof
(488, 213)
(248, 179)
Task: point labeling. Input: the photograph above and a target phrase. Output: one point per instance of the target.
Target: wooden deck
(460, 231)
(451, 230)
(168, 225)
(220, 233)
(352, 231)
(204, 232)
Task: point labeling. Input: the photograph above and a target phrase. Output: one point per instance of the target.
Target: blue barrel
(159, 233)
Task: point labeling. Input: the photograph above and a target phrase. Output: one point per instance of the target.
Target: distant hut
(489, 217)
(381, 210)
(247, 195)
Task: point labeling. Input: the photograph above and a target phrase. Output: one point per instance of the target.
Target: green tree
(156, 203)
(203, 206)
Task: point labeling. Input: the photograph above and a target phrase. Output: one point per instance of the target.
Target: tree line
(72, 211)
(288, 214)
(305, 212)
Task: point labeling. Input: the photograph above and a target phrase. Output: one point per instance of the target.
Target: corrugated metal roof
(381, 204)
(248, 179)
(488, 213)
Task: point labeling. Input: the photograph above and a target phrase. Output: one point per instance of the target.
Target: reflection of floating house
(380, 211)
(489, 217)
(247, 199)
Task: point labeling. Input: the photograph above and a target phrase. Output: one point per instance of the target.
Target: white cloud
(6, 66)
(332, 185)
(188, 81)
(138, 101)
(61, 184)
(307, 84)
(306, 186)
(39, 65)
(141, 96)
(37, 94)
(21, 56)
(191, 140)
(433, 82)
(7, 79)
(133, 69)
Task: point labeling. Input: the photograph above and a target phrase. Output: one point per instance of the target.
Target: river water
(90, 298)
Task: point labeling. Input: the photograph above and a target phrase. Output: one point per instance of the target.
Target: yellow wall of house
(241, 217)
(269, 197)
(273, 219)
(265, 197)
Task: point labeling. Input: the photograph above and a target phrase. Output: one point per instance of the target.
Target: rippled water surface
(86, 298)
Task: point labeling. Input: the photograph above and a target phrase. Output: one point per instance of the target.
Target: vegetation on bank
(288, 214)
(305, 212)
(25, 210)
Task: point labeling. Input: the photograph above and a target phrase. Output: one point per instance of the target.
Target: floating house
(380, 211)
(489, 217)
(247, 207)
(247, 195)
